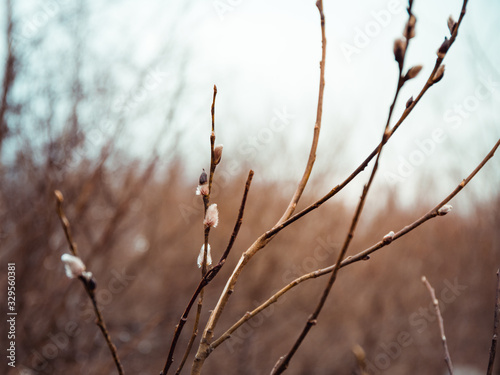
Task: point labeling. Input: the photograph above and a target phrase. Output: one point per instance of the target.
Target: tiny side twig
(90, 291)
(435, 302)
(496, 318)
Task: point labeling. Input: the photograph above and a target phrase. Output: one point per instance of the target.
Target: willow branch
(89, 286)
(435, 302)
(428, 84)
(496, 318)
(263, 240)
(317, 126)
(209, 275)
(361, 256)
(283, 362)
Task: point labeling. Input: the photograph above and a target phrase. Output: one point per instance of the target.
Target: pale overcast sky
(264, 58)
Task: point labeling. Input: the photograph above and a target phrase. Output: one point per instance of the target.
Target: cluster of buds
(452, 25)
(400, 44)
(211, 219)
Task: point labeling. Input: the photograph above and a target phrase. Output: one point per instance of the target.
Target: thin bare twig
(361, 256)
(317, 126)
(9, 75)
(209, 275)
(90, 289)
(496, 318)
(435, 302)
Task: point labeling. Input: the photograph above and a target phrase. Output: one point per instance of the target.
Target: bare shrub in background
(125, 219)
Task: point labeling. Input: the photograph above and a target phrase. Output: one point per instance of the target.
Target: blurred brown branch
(435, 302)
(89, 285)
(284, 361)
(8, 76)
(496, 318)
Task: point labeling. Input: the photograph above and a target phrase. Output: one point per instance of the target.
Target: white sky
(264, 58)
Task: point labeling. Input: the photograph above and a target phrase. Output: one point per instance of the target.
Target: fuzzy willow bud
(441, 52)
(399, 51)
(438, 75)
(212, 216)
(413, 72)
(409, 31)
(218, 154)
(451, 24)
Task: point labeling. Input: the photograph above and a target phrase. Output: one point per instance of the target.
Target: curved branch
(317, 126)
